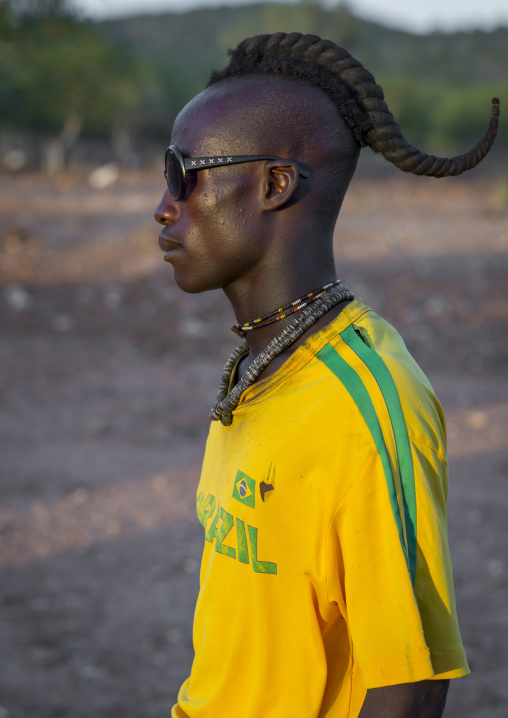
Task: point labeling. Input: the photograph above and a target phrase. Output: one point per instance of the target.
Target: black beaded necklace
(227, 400)
(291, 307)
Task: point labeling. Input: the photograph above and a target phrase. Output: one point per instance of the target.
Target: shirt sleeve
(401, 632)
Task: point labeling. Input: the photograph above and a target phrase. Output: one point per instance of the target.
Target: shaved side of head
(284, 117)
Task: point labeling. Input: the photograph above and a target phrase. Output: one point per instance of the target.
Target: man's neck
(250, 308)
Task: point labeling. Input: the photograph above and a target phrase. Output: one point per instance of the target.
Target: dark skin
(264, 235)
(280, 258)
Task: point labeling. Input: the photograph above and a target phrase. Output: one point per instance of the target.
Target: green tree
(65, 77)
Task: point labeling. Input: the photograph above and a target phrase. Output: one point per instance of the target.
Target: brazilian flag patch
(244, 489)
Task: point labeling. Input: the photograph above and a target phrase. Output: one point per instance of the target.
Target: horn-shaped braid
(354, 91)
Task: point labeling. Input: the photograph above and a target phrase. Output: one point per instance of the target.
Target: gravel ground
(108, 372)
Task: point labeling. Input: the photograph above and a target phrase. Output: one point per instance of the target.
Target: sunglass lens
(174, 175)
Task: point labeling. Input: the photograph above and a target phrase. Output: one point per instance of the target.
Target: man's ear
(280, 182)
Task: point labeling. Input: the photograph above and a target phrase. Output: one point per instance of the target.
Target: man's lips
(168, 243)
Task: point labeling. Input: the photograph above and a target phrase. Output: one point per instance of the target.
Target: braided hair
(353, 90)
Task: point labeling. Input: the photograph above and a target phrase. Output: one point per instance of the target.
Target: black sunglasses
(177, 166)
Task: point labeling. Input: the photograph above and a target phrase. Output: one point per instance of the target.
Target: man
(326, 585)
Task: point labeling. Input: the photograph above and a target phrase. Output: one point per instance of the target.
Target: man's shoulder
(371, 359)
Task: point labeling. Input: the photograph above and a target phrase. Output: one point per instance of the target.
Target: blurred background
(108, 371)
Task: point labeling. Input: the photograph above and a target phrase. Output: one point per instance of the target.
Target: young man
(326, 586)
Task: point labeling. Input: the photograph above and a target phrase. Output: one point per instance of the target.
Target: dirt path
(108, 372)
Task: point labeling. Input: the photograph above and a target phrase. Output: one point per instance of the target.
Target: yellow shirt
(325, 569)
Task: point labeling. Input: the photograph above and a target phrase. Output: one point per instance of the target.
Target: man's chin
(194, 285)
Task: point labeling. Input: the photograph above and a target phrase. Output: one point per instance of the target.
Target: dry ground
(108, 372)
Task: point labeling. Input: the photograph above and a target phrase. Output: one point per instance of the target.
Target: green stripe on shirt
(356, 388)
(387, 386)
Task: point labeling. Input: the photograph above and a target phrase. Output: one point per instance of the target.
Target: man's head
(295, 97)
(235, 218)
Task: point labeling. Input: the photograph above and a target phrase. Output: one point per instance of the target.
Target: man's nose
(167, 211)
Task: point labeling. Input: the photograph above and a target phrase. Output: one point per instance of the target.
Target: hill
(123, 81)
(438, 85)
(197, 41)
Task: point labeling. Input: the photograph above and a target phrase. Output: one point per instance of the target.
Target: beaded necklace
(227, 400)
(295, 306)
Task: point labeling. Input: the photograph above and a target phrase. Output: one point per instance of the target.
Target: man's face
(220, 232)
(212, 237)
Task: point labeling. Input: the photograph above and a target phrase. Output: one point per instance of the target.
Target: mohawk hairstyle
(353, 90)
